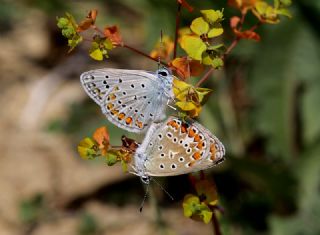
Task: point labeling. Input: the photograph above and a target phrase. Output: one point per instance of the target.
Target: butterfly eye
(163, 73)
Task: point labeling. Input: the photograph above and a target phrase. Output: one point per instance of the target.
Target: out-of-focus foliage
(265, 109)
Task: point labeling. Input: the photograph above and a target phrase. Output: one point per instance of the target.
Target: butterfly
(130, 99)
(176, 147)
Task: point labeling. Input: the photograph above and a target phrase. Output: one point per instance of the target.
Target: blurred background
(265, 108)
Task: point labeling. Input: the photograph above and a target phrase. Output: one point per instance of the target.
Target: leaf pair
(199, 207)
(99, 146)
(189, 98)
(197, 45)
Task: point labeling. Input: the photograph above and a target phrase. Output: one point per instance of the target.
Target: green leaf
(190, 203)
(194, 46)
(107, 44)
(111, 158)
(124, 166)
(72, 43)
(199, 26)
(62, 22)
(212, 16)
(215, 47)
(206, 215)
(213, 60)
(284, 12)
(87, 148)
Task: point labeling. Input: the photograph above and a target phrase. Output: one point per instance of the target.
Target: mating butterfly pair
(135, 100)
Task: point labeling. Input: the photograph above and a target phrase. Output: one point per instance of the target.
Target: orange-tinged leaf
(193, 45)
(234, 21)
(185, 5)
(248, 34)
(101, 136)
(186, 67)
(88, 21)
(163, 49)
(113, 33)
(243, 5)
(199, 26)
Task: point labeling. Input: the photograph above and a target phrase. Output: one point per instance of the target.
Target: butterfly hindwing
(179, 147)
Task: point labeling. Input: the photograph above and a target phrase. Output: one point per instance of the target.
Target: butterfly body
(176, 147)
(130, 99)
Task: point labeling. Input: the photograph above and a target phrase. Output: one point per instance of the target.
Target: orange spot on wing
(121, 116)
(190, 164)
(128, 120)
(173, 124)
(213, 151)
(196, 138)
(191, 133)
(139, 124)
(196, 156)
(200, 145)
(114, 112)
(110, 106)
(112, 96)
(184, 128)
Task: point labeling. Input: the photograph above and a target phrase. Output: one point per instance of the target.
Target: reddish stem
(229, 49)
(143, 54)
(215, 224)
(205, 77)
(176, 31)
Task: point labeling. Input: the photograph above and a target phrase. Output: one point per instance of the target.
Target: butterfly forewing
(129, 98)
(179, 147)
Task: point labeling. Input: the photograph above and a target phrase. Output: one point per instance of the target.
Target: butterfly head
(166, 79)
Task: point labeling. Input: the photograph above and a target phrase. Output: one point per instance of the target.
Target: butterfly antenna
(144, 198)
(160, 50)
(163, 189)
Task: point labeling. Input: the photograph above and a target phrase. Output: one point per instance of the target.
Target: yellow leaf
(194, 46)
(186, 105)
(203, 92)
(199, 26)
(215, 32)
(96, 54)
(180, 89)
(212, 16)
(86, 148)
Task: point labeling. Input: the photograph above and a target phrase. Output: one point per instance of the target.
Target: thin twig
(143, 54)
(205, 77)
(176, 31)
(215, 224)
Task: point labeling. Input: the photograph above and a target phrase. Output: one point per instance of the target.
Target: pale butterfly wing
(130, 99)
(175, 147)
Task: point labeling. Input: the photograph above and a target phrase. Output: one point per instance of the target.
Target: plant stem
(229, 49)
(205, 77)
(176, 31)
(215, 224)
(143, 54)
